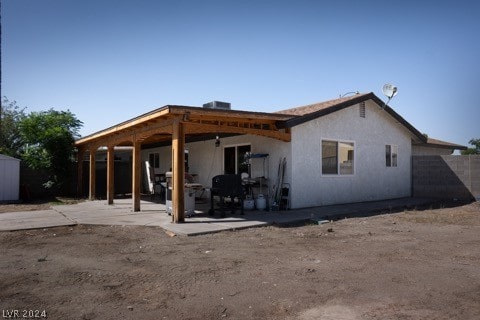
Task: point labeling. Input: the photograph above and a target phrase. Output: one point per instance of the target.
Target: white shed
(9, 178)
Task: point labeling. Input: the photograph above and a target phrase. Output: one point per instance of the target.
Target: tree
(10, 137)
(48, 142)
(476, 147)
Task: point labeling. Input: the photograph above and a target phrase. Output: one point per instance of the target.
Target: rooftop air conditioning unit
(217, 105)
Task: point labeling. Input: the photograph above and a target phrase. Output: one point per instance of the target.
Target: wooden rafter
(159, 121)
(203, 128)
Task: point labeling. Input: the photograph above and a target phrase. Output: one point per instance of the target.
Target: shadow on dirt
(318, 219)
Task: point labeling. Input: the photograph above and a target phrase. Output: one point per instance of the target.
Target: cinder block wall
(446, 177)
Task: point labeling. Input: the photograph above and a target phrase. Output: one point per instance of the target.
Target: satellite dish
(390, 91)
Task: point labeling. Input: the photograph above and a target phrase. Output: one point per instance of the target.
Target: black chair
(226, 186)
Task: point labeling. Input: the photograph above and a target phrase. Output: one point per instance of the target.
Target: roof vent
(217, 105)
(362, 109)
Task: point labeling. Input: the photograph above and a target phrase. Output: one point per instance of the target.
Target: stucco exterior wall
(372, 179)
(206, 160)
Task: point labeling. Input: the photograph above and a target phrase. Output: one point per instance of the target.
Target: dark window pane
(388, 155)
(329, 157)
(229, 160)
(151, 159)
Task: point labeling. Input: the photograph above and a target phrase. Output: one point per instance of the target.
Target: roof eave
(452, 147)
(405, 123)
(443, 145)
(175, 110)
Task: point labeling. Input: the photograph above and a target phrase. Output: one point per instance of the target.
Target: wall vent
(217, 105)
(362, 109)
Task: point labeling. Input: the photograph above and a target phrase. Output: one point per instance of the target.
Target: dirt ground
(37, 205)
(409, 265)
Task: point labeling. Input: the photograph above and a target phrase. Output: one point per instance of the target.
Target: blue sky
(109, 61)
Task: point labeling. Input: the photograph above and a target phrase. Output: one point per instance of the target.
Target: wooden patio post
(136, 174)
(91, 188)
(110, 173)
(80, 155)
(178, 167)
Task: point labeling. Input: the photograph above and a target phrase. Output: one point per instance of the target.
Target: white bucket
(261, 202)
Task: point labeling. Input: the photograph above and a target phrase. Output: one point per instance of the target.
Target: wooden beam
(91, 187)
(200, 128)
(230, 114)
(136, 174)
(143, 132)
(80, 155)
(110, 174)
(124, 126)
(178, 167)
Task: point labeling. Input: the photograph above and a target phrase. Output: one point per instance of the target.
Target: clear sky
(109, 61)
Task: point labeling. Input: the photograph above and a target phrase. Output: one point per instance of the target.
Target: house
(344, 150)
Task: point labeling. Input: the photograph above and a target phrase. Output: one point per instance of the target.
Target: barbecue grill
(226, 187)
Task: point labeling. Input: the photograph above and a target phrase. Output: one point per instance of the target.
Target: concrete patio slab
(154, 215)
(33, 220)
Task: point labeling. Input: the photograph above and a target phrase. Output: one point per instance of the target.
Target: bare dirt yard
(409, 265)
(36, 205)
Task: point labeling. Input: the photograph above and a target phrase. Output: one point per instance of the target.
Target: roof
(312, 108)
(443, 144)
(233, 121)
(281, 119)
(5, 157)
(316, 110)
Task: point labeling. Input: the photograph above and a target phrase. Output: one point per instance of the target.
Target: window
(234, 159)
(337, 157)
(154, 160)
(391, 155)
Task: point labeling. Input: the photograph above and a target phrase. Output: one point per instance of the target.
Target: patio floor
(153, 214)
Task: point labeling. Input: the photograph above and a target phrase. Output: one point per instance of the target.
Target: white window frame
(393, 160)
(338, 174)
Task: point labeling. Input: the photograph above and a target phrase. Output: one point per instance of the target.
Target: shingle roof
(444, 144)
(311, 108)
(316, 110)
(309, 112)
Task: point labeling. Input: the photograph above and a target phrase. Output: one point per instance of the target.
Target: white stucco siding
(165, 154)
(372, 179)
(206, 160)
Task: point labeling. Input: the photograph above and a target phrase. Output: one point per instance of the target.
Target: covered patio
(176, 125)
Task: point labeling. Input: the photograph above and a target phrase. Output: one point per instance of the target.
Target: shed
(9, 178)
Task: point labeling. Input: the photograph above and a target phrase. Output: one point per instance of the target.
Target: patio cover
(172, 124)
